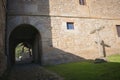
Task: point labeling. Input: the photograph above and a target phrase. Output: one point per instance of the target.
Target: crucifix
(99, 41)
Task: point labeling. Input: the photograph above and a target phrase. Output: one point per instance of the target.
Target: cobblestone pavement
(31, 72)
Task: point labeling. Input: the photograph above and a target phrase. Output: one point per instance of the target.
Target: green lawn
(114, 58)
(88, 70)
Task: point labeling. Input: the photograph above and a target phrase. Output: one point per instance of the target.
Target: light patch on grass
(114, 58)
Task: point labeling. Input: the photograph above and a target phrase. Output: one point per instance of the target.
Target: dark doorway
(26, 38)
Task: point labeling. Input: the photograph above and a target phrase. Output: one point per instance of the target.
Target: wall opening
(23, 53)
(25, 45)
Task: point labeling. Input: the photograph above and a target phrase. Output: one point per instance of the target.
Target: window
(82, 2)
(118, 30)
(70, 25)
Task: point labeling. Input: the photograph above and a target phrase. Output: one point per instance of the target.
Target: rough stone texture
(79, 40)
(28, 7)
(68, 8)
(104, 8)
(60, 45)
(92, 9)
(2, 33)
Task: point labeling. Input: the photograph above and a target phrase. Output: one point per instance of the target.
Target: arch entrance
(25, 45)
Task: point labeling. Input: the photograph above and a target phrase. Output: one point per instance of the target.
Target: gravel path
(31, 72)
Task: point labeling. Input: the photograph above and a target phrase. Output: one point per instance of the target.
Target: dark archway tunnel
(30, 37)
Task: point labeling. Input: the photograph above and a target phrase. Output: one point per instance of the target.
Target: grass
(114, 58)
(88, 70)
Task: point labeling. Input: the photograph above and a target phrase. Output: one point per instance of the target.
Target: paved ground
(31, 72)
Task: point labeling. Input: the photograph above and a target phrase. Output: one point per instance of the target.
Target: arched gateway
(29, 37)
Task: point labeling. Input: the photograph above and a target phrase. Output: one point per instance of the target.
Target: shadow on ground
(30, 72)
(88, 70)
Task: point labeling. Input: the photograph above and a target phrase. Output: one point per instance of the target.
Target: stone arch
(28, 34)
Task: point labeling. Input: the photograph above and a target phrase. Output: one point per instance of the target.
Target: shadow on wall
(57, 56)
(35, 29)
(104, 45)
(27, 21)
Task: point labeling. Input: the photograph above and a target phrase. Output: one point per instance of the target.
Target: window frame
(82, 2)
(118, 30)
(70, 25)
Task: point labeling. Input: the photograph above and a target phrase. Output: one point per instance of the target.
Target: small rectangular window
(70, 25)
(118, 30)
(82, 2)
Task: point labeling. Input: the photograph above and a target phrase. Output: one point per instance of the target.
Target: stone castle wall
(91, 9)
(79, 42)
(60, 45)
(2, 37)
